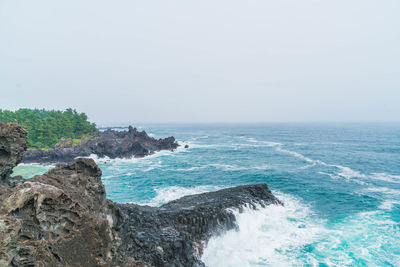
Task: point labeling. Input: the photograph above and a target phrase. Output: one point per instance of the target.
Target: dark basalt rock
(175, 233)
(12, 146)
(109, 143)
(62, 218)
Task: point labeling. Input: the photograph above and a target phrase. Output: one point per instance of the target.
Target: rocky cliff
(109, 143)
(62, 218)
(12, 146)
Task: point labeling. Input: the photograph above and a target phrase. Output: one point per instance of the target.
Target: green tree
(47, 127)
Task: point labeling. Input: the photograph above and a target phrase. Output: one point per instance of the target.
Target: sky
(203, 61)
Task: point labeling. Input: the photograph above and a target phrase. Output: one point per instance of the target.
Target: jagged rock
(63, 218)
(109, 143)
(59, 219)
(12, 146)
(175, 233)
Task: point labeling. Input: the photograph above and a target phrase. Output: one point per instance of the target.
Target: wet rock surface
(63, 218)
(175, 233)
(109, 143)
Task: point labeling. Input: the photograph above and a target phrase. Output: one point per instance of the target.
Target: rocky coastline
(108, 143)
(63, 218)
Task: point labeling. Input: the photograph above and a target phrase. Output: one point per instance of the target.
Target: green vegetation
(47, 127)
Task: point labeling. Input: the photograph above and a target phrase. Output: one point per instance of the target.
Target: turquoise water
(29, 170)
(340, 184)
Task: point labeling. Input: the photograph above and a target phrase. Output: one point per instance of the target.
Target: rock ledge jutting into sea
(63, 218)
(109, 143)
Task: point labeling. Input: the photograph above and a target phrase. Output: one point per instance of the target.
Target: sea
(340, 184)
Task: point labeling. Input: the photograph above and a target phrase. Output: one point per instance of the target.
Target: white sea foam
(164, 195)
(348, 173)
(200, 137)
(390, 196)
(227, 167)
(97, 158)
(295, 154)
(279, 148)
(153, 166)
(191, 168)
(339, 171)
(263, 143)
(384, 190)
(278, 236)
(251, 142)
(388, 204)
(135, 160)
(386, 177)
(342, 171)
(206, 146)
(261, 167)
(347, 179)
(269, 236)
(361, 236)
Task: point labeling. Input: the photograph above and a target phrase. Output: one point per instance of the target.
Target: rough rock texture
(62, 218)
(12, 146)
(112, 144)
(175, 233)
(58, 219)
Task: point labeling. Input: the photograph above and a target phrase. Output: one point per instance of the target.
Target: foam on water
(292, 235)
(191, 169)
(389, 196)
(384, 190)
(341, 171)
(348, 173)
(272, 236)
(295, 154)
(335, 176)
(386, 177)
(156, 154)
(155, 165)
(266, 143)
(363, 239)
(341, 185)
(228, 167)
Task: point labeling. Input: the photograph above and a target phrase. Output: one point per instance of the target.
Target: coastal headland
(63, 218)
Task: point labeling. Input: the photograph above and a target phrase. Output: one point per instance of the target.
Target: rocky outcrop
(12, 146)
(62, 218)
(175, 234)
(59, 219)
(109, 143)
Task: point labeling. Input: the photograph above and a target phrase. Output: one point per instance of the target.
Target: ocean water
(29, 170)
(340, 184)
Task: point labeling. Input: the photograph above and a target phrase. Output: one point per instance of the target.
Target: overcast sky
(203, 61)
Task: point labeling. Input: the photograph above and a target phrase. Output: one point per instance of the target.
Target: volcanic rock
(12, 146)
(109, 143)
(63, 218)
